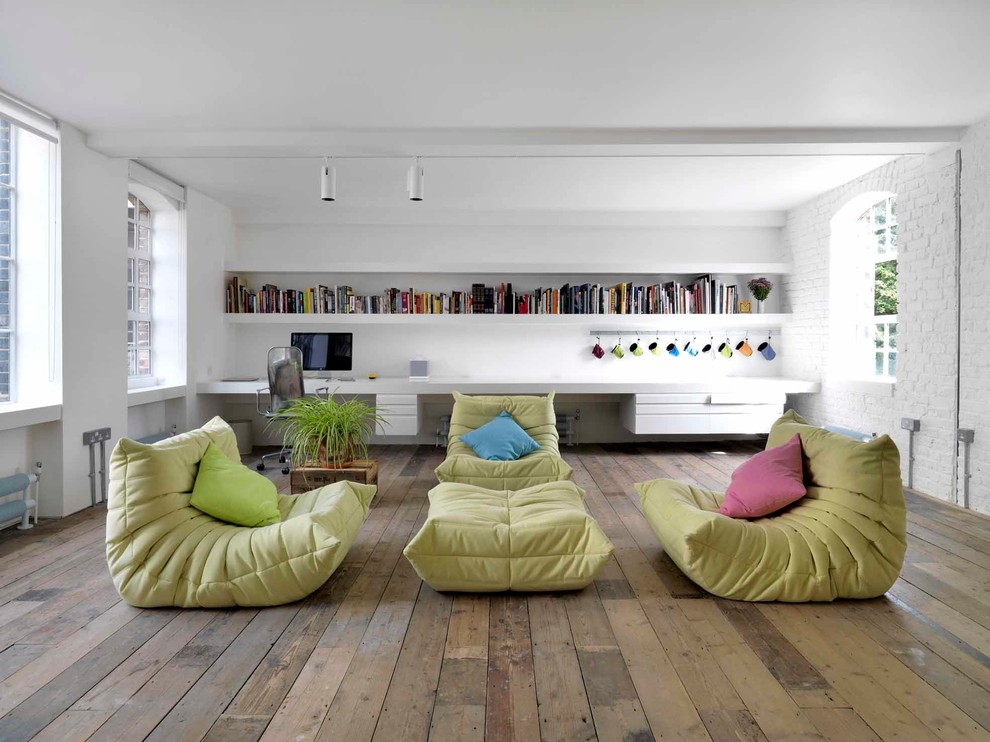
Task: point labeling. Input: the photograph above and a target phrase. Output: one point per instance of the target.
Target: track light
(328, 181)
(414, 182)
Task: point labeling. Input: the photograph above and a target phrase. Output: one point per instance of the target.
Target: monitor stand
(339, 378)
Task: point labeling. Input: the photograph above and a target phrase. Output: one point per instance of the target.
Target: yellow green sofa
(481, 540)
(534, 414)
(163, 552)
(845, 539)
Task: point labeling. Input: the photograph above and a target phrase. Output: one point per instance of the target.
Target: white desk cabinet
(698, 414)
(401, 413)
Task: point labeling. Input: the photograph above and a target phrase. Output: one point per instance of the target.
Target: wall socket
(965, 435)
(910, 423)
(96, 436)
(577, 415)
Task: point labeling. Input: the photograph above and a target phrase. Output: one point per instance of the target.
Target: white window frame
(11, 262)
(882, 326)
(133, 283)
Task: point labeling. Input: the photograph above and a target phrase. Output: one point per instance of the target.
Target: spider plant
(323, 432)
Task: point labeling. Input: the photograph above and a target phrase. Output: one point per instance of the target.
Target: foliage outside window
(139, 295)
(7, 233)
(881, 221)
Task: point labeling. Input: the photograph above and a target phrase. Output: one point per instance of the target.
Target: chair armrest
(257, 401)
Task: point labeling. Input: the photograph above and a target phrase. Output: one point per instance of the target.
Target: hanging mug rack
(725, 349)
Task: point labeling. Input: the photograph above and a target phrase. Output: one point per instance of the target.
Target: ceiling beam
(523, 142)
(449, 217)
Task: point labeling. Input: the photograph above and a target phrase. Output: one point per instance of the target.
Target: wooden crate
(309, 478)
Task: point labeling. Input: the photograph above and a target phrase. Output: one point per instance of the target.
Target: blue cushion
(501, 439)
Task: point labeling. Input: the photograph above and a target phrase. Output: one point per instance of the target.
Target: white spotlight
(328, 181)
(414, 182)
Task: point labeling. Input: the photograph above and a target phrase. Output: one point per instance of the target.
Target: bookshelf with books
(705, 294)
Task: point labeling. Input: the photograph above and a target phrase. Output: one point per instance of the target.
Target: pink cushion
(766, 483)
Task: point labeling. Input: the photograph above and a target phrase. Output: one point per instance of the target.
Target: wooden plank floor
(375, 654)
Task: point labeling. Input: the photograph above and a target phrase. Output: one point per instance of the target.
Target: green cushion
(480, 540)
(231, 492)
(162, 552)
(535, 415)
(845, 539)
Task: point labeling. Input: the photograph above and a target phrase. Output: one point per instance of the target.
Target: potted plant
(328, 440)
(760, 288)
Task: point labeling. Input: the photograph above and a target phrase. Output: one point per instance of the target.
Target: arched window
(880, 243)
(863, 293)
(155, 289)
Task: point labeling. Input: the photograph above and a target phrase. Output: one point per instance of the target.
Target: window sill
(152, 394)
(21, 415)
(876, 387)
(143, 382)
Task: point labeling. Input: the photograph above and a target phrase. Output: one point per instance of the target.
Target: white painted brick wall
(974, 390)
(925, 188)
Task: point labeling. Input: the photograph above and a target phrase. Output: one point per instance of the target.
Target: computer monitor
(325, 351)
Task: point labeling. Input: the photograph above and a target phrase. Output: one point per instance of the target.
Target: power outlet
(577, 415)
(966, 435)
(96, 436)
(910, 423)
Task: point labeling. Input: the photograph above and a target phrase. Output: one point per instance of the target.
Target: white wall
(94, 252)
(22, 447)
(926, 373)
(310, 245)
(975, 325)
(478, 350)
(209, 236)
(209, 239)
(37, 376)
(91, 355)
(166, 416)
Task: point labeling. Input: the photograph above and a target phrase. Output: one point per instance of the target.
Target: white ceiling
(224, 95)
(321, 64)
(275, 189)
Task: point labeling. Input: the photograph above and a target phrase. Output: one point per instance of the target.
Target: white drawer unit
(401, 414)
(697, 414)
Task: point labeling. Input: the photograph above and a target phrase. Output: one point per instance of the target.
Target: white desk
(710, 406)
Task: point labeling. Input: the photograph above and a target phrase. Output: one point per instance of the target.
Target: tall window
(6, 258)
(139, 298)
(881, 326)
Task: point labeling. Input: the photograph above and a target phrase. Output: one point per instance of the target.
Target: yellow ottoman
(534, 539)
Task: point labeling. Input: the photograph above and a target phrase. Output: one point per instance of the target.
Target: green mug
(725, 350)
(617, 351)
(636, 348)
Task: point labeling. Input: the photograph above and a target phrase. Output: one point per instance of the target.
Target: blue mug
(672, 349)
(690, 349)
(766, 350)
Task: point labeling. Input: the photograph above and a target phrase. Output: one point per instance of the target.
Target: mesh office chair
(285, 384)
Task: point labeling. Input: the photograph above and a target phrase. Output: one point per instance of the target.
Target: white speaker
(419, 370)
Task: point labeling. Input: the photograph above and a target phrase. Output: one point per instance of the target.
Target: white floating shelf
(516, 268)
(596, 321)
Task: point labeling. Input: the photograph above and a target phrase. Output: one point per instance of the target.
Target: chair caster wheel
(281, 459)
(260, 466)
(285, 470)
